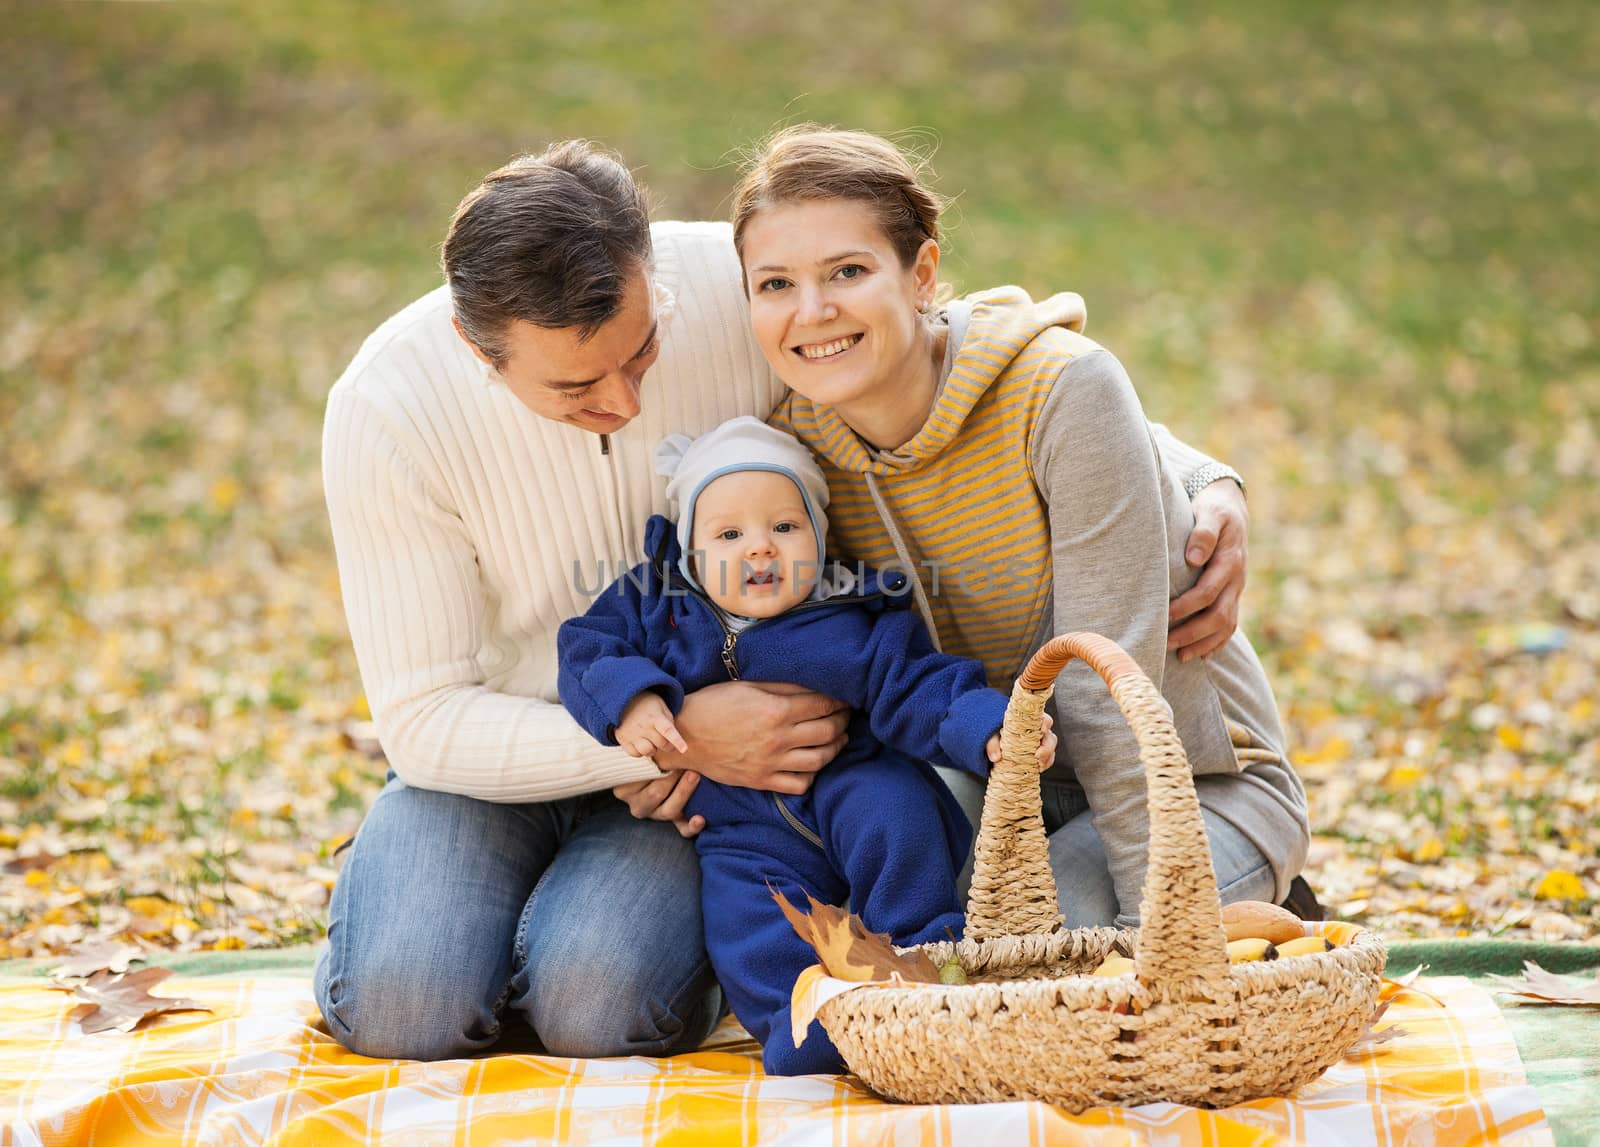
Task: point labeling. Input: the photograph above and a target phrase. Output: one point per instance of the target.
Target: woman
(1003, 459)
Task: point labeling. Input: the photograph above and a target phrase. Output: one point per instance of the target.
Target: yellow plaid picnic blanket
(261, 1069)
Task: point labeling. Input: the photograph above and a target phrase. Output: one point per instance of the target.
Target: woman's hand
(1047, 746)
(758, 735)
(1209, 610)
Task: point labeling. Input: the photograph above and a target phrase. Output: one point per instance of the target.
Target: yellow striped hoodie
(1037, 499)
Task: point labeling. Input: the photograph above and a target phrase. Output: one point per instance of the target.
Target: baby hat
(743, 443)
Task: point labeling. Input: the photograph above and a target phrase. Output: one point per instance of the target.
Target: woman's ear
(925, 272)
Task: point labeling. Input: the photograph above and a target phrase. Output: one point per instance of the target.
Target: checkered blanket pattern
(261, 1069)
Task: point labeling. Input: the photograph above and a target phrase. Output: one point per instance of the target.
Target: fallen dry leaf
(123, 1002)
(1371, 1039)
(101, 956)
(1544, 987)
(848, 951)
(1406, 983)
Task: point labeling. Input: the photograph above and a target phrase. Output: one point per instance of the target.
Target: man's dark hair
(551, 239)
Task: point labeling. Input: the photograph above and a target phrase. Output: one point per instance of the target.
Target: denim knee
(590, 1012)
(389, 1009)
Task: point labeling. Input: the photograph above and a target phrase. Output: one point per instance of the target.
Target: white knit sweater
(467, 528)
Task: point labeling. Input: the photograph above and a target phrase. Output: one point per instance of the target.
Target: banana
(1115, 966)
(1304, 946)
(1256, 919)
(1251, 949)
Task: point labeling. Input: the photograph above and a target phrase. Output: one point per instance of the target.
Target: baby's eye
(773, 284)
(783, 528)
(728, 536)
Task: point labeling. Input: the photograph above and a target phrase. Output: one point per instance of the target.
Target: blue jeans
(1078, 859)
(452, 913)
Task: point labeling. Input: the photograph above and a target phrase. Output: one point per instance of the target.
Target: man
(487, 458)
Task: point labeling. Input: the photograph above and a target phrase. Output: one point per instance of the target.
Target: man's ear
(476, 349)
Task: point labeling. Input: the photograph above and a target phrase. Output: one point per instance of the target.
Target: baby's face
(756, 553)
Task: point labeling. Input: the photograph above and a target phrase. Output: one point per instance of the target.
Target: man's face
(594, 384)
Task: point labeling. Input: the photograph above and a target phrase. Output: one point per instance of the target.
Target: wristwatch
(1207, 474)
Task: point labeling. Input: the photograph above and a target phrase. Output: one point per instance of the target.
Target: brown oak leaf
(848, 951)
(1540, 986)
(101, 956)
(121, 1002)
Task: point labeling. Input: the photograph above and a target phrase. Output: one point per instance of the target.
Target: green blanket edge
(1443, 957)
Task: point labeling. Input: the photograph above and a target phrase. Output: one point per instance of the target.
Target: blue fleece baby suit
(877, 827)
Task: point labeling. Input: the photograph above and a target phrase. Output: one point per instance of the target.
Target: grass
(1349, 248)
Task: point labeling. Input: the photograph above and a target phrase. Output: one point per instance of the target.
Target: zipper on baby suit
(795, 822)
(730, 640)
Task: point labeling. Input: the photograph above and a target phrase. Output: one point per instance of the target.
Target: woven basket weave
(1185, 1026)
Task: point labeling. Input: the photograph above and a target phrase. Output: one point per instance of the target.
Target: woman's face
(831, 305)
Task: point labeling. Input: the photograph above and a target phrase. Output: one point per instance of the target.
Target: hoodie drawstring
(904, 555)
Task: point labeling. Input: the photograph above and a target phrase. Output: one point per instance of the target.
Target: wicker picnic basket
(1031, 1023)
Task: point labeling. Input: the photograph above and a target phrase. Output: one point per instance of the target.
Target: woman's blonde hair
(809, 162)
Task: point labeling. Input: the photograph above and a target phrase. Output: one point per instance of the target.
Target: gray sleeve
(1096, 466)
(1184, 461)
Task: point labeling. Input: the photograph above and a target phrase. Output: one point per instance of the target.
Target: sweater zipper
(618, 501)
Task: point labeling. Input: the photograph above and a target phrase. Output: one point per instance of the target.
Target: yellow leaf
(228, 944)
(360, 709)
(36, 877)
(1509, 736)
(147, 905)
(1403, 777)
(225, 493)
(1428, 851)
(1558, 884)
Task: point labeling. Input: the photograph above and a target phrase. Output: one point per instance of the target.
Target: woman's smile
(828, 351)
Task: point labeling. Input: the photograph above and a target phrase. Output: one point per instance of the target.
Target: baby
(739, 590)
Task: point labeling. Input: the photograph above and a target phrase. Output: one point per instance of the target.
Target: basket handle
(1013, 891)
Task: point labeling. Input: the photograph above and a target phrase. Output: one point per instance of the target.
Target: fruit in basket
(1304, 946)
(1251, 949)
(1258, 920)
(951, 971)
(1115, 966)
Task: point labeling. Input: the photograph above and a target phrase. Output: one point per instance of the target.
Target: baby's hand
(646, 727)
(1047, 746)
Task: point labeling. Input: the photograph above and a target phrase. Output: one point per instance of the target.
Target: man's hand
(663, 799)
(646, 727)
(1209, 611)
(758, 735)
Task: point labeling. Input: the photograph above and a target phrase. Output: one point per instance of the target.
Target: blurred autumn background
(1350, 248)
